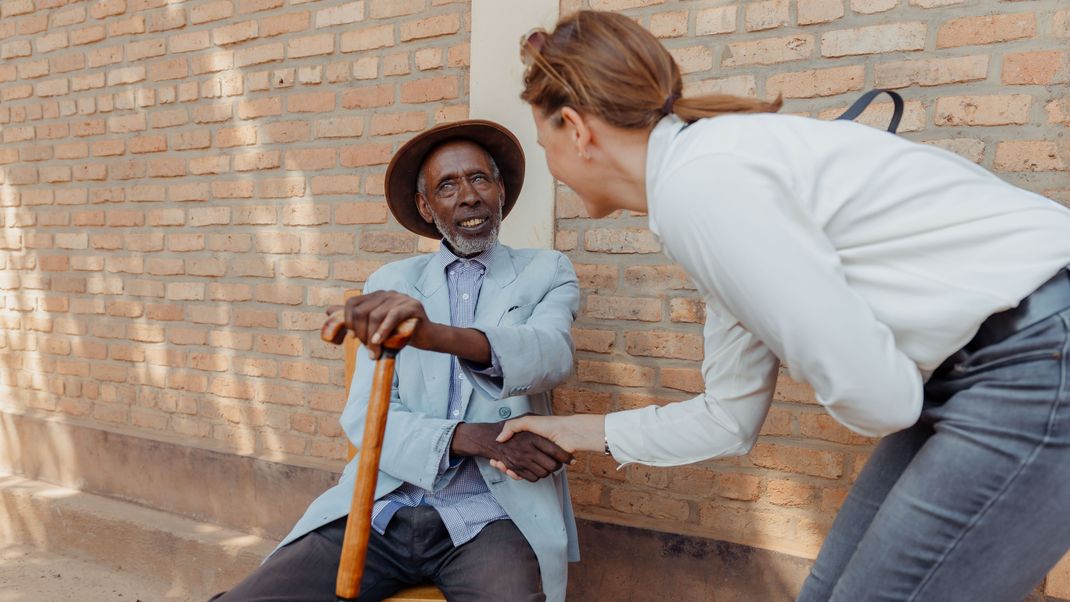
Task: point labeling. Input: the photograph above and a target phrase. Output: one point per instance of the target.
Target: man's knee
(499, 564)
(304, 569)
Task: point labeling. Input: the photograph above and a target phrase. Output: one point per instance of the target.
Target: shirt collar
(446, 258)
(657, 150)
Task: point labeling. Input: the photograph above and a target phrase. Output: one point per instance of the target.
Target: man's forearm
(474, 439)
(465, 343)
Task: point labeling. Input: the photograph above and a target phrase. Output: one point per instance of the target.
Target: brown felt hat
(405, 167)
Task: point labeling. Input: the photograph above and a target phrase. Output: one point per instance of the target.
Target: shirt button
(460, 376)
(465, 296)
(505, 412)
(456, 412)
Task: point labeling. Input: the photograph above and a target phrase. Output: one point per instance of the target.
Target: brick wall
(185, 186)
(984, 78)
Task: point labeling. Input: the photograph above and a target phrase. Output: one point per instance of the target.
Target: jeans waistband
(1049, 299)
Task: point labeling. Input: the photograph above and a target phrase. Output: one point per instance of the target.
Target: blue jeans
(972, 502)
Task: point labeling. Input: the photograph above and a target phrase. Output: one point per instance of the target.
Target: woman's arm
(740, 375)
(734, 225)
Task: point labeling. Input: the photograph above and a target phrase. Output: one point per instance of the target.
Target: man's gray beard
(467, 247)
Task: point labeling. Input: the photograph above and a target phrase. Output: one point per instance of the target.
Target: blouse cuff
(624, 437)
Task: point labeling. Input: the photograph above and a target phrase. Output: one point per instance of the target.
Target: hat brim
(405, 166)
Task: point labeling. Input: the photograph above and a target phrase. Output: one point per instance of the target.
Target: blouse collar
(657, 150)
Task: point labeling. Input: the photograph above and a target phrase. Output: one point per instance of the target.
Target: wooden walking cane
(358, 526)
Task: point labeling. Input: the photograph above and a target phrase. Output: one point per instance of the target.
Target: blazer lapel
(494, 299)
(493, 296)
(431, 286)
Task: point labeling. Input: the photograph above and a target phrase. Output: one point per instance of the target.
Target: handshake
(525, 455)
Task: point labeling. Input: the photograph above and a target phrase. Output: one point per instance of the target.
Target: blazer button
(505, 412)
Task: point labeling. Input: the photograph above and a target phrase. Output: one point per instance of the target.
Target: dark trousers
(498, 564)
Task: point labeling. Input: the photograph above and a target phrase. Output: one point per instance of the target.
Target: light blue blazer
(526, 306)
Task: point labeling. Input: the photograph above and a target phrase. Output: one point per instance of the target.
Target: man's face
(462, 197)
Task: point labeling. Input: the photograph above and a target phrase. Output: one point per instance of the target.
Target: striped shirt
(465, 504)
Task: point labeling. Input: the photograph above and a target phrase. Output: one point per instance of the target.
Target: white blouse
(858, 258)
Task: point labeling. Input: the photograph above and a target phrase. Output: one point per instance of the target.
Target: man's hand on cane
(372, 317)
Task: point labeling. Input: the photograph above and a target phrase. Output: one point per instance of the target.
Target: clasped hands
(578, 432)
(523, 456)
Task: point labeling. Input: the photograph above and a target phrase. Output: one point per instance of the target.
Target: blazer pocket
(517, 314)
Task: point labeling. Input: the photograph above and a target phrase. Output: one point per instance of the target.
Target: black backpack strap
(860, 105)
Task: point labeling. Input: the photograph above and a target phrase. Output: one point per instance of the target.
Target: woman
(924, 299)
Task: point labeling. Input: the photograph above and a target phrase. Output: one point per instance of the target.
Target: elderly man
(493, 338)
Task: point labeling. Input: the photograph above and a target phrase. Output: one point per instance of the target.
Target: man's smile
(472, 223)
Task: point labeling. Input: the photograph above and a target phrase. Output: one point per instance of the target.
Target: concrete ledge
(628, 564)
(239, 492)
(193, 559)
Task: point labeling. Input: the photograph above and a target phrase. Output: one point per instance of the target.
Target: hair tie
(666, 109)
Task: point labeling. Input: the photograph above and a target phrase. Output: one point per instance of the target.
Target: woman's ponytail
(607, 65)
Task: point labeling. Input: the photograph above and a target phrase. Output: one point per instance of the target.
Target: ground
(29, 575)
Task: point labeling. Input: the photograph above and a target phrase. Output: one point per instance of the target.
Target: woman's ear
(579, 130)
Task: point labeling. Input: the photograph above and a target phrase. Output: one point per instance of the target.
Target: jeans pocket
(990, 363)
(1036, 343)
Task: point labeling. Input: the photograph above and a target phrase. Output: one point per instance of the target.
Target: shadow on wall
(170, 245)
(174, 226)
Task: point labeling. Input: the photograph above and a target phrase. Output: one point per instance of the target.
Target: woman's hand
(526, 455)
(579, 432)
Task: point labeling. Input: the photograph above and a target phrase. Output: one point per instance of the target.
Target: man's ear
(578, 129)
(424, 209)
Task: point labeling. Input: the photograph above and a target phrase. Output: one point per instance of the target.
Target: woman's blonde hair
(607, 65)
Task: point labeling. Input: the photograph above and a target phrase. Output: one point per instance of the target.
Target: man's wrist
(459, 443)
(433, 333)
(469, 439)
(466, 343)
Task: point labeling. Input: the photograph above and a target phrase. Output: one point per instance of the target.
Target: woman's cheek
(552, 165)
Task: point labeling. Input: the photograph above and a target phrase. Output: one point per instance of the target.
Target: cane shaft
(359, 523)
(358, 526)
